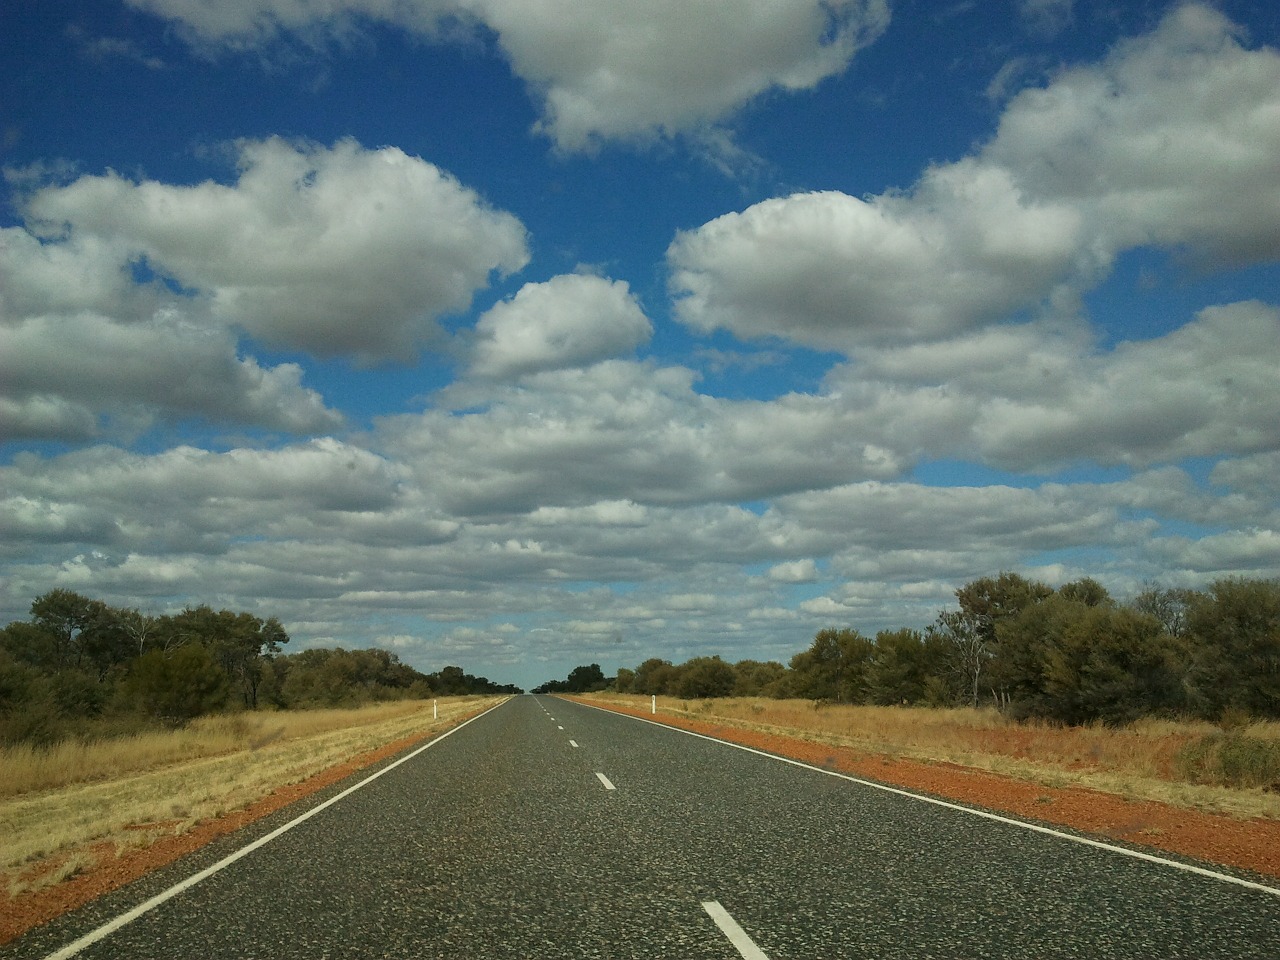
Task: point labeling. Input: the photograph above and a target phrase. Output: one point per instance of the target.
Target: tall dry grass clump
(1246, 755)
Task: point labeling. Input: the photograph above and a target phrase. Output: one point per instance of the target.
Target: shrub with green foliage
(175, 687)
(1234, 630)
(705, 677)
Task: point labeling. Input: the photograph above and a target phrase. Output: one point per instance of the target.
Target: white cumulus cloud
(601, 69)
(1172, 141)
(608, 69)
(122, 302)
(569, 321)
(82, 375)
(334, 251)
(794, 571)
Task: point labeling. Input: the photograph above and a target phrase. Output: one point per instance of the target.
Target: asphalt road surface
(546, 829)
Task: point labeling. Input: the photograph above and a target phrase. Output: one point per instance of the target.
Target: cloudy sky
(519, 334)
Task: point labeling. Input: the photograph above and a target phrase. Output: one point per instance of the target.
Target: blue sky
(521, 335)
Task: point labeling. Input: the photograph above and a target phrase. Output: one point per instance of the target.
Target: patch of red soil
(1246, 844)
(111, 870)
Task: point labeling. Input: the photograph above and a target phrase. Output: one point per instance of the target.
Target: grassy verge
(1188, 764)
(59, 802)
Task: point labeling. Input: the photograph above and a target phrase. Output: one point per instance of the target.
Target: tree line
(1072, 655)
(79, 663)
(584, 679)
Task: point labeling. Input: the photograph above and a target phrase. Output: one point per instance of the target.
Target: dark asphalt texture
(501, 842)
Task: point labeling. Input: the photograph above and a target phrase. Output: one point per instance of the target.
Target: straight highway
(548, 829)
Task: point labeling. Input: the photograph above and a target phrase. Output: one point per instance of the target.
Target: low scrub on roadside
(1237, 758)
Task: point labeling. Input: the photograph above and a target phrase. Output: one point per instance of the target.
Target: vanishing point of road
(548, 829)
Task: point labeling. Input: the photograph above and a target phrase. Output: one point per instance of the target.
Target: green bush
(175, 687)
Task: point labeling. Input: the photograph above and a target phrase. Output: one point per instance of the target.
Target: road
(548, 829)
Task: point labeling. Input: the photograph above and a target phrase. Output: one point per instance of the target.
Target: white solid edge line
(737, 936)
(1037, 828)
(605, 781)
(110, 927)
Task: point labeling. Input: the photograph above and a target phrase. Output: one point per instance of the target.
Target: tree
(275, 673)
(989, 603)
(1168, 605)
(78, 693)
(655, 677)
(989, 600)
(1234, 630)
(29, 644)
(1109, 664)
(324, 678)
(65, 617)
(107, 641)
(586, 679)
(1026, 640)
(899, 668)
(337, 677)
(138, 627)
(759, 679)
(705, 677)
(581, 679)
(178, 686)
(834, 666)
(966, 651)
(450, 681)
(237, 641)
(1086, 591)
(28, 710)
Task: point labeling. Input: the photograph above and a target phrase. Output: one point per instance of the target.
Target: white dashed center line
(737, 936)
(573, 743)
(605, 780)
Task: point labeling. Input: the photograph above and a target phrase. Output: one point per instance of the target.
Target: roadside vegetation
(118, 728)
(80, 670)
(1071, 656)
(71, 805)
(1174, 686)
(1188, 763)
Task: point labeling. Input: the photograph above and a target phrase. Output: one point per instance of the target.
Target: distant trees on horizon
(1073, 655)
(78, 663)
(584, 679)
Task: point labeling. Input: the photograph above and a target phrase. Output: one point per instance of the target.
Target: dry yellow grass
(1139, 761)
(29, 768)
(130, 792)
